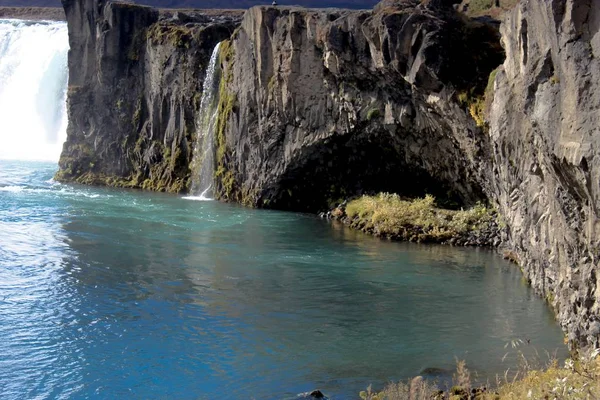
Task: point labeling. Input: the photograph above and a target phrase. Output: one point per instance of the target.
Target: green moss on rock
(226, 185)
(175, 35)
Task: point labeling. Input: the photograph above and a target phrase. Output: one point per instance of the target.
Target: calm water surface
(110, 294)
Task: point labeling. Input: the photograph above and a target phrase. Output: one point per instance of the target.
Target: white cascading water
(33, 89)
(203, 163)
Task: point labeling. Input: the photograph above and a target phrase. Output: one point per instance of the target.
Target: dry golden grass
(575, 380)
(419, 220)
(418, 389)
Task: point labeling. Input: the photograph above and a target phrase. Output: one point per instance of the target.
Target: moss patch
(227, 188)
(176, 35)
(479, 105)
(373, 113)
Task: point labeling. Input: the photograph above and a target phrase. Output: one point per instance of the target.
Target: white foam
(197, 198)
(12, 189)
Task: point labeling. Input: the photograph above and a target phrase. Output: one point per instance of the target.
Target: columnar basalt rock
(319, 105)
(134, 89)
(544, 132)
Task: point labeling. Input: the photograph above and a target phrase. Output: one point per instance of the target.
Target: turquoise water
(122, 294)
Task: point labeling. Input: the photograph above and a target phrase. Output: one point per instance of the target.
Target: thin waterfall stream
(203, 163)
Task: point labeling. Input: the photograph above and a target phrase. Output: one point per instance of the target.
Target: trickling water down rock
(203, 168)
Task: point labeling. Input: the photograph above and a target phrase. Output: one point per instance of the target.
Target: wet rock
(315, 394)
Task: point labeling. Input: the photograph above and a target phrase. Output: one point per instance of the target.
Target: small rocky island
(315, 106)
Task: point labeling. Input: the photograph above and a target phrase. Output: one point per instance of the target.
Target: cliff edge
(544, 125)
(135, 81)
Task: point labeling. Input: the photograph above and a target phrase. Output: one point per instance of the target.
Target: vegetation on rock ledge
(419, 220)
(223, 176)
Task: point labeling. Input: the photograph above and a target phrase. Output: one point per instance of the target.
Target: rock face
(135, 82)
(318, 105)
(544, 133)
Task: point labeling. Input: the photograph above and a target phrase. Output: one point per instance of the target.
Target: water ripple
(119, 294)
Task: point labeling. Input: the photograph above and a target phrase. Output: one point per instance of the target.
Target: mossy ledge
(420, 220)
(166, 173)
(225, 182)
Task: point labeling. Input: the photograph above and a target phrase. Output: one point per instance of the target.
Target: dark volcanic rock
(134, 89)
(343, 102)
(216, 4)
(544, 133)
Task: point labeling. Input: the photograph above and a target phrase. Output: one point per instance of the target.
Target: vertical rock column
(545, 136)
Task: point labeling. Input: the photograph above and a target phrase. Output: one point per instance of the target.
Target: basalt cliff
(319, 105)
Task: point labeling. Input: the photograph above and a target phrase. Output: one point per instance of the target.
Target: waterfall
(203, 163)
(33, 89)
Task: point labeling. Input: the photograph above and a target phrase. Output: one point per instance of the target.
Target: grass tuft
(578, 379)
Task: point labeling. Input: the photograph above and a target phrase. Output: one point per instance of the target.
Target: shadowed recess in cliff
(203, 163)
(33, 88)
(354, 102)
(329, 173)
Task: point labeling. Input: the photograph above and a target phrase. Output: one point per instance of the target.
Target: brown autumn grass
(577, 379)
(390, 215)
(492, 8)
